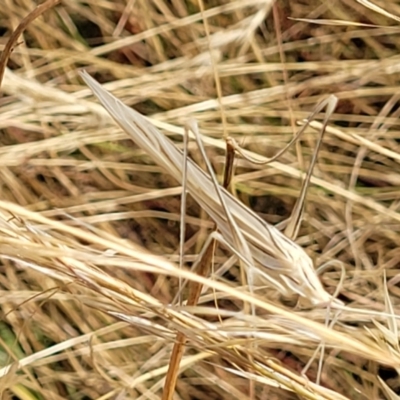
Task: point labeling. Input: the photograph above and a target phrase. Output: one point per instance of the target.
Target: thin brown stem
(179, 346)
(229, 160)
(204, 267)
(11, 43)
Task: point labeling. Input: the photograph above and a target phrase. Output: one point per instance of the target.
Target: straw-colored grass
(90, 217)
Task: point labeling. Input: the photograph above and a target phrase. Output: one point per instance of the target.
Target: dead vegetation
(90, 216)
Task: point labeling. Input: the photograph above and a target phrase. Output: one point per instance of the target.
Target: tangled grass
(94, 279)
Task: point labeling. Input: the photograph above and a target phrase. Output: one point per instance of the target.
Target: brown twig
(179, 346)
(5, 55)
(195, 289)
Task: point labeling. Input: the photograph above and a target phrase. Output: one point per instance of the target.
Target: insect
(269, 255)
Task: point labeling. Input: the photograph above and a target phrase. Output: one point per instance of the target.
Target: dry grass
(90, 222)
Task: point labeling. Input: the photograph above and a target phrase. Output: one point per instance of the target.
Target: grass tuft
(90, 214)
